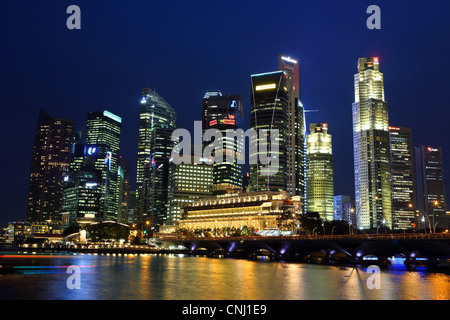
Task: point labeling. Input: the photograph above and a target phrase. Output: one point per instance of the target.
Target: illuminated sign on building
(266, 87)
(228, 121)
(91, 150)
(213, 122)
(288, 59)
(108, 159)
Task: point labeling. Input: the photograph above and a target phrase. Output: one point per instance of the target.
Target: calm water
(177, 277)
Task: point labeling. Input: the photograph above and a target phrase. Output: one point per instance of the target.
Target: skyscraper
(373, 189)
(153, 151)
(431, 198)
(225, 113)
(83, 191)
(187, 183)
(319, 172)
(296, 128)
(403, 180)
(269, 114)
(49, 164)
(103, 131)
(342, 208)
(124, 189)
(161, 150)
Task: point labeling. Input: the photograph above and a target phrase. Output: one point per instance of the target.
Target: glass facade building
(372, 165)
(269, 114)
(403, 178)
(225, 113)
(296, 128)
(157, 121)
(319, 172)
(187, 183)
(431, 197)
(103, 131)
(50, 161)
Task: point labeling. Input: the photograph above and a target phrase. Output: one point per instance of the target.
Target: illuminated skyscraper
(49, 164)
(83, 190)
(155, 114)
(103, 131)
(187, 183)
(343, 208)
(373, 188)
(225, 113)
(296, 128)
(319, 172)
(403, 181)
(431, 198)
(124, 189)
(268, 115)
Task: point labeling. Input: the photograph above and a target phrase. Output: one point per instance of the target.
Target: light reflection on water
(178, 277)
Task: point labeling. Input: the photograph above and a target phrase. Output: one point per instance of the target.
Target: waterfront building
(155, 113)
(269, 114)
(157, 121)
(257, 210)
(296, 128)
(124, 189)
(49, 165)
(133, 208)
(187, 183)
(431, 198)
(103, 131)
(372, 165)
(403, 179)
(343, 208)
(225, 113)
(319, 172)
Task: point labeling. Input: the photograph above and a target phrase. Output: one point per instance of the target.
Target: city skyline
(401, 113)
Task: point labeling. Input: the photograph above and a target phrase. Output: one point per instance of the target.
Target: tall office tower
(373, 188)
(431, 198)
(225, 113)
(124, 189)
(296, 128)
(268, 115)
(342, 208)
(403, 180)
(160, 153)
(133, 208)
(103, 131)
(319, 172)
(188, 182)
(155, 113)
(82, 195)
(82, 188)
(49, 164)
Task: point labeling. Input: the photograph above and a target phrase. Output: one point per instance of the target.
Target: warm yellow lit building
(259, 210)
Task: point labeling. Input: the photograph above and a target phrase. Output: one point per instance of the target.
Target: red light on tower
(375, 59)
(430, 149)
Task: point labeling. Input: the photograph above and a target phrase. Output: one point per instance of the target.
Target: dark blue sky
(183, 48)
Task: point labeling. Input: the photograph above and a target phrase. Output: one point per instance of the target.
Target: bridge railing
(399, 236)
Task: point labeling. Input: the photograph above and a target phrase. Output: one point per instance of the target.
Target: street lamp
(382, 223)
(332, 229)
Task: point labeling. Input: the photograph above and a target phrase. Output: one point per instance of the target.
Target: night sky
(183, 48)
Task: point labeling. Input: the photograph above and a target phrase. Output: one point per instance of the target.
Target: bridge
(416, 248)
